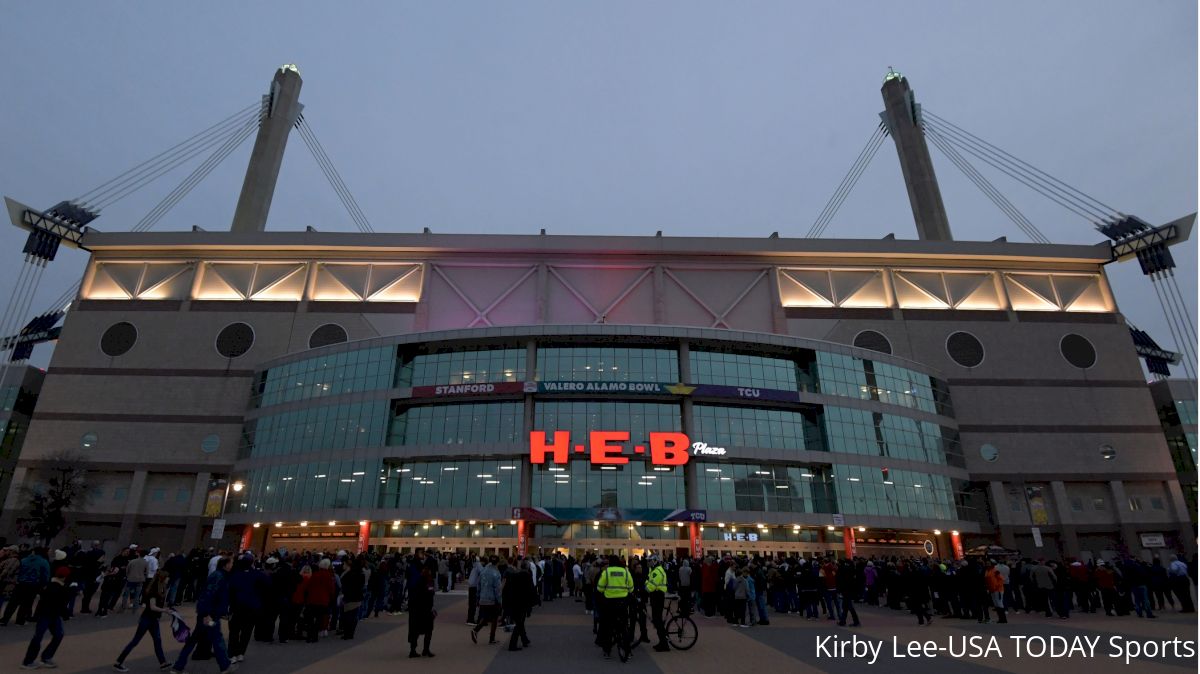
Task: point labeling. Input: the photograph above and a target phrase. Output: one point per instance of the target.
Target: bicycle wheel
(681, 633)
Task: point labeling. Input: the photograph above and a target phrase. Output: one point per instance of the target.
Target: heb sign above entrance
(617, 387)
(668, 448)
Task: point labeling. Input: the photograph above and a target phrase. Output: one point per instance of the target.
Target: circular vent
(1078, 351)
(869, 339)
(118, 339)
(965, 349)
(989, 452)
(330, 333)
(235, 339)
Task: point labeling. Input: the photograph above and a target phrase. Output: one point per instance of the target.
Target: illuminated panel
(1031, 292)
(805, 288)
(920, 290)
(140, 280)
(359, 282)
(973, 290)
(1083, 292)
(280, 282)
(859, 288)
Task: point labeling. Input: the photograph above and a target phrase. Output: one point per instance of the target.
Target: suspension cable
(858, 174)
(989, 190)
(1180, 342)
(144, 173)
(847, 183)
(1097, 204)
(1187, 345)
(1074, 205)
(332, 175)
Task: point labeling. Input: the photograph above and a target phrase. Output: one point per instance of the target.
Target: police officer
(614, 586)
(656, 588)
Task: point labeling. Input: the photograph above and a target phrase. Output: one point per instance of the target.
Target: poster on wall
(214, 502)
(218, 529)
(1037, 505)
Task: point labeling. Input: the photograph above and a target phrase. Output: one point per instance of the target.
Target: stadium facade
(314, 389)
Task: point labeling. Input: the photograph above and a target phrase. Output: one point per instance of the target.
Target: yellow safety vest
(615, 583)
(657, 580)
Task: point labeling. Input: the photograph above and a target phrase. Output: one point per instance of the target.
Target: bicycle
(681, 629)
(625, 628)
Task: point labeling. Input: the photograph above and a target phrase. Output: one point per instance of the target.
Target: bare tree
(65, 487)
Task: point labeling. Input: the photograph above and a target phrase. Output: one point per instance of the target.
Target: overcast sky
(694, 118)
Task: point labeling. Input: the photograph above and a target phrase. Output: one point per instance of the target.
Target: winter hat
(62, 572)
(59, 555)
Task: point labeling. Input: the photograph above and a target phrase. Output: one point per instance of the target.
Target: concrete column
(133, 503)
(195, 521)
(778, 315)
(1121, 508)
(1004, 526)
(262, 172)
(900, 113)
(1062, 504)
(1183, 517)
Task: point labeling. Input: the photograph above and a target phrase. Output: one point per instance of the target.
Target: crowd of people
(286, 597)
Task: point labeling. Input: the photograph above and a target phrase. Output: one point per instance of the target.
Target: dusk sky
(694, 118)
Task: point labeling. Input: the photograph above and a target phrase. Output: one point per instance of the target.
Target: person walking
(51, 608)
(489, 600)
(421, 613)
(211, 606)
(473, 591)
(135, 578)
(248, 590)
(518, 596)
(154, 600)
(847, 588)
(1180, 583)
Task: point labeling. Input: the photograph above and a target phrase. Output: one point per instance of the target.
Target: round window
(118, 339)
(1078, 351)
(1107, 452)
(235, 340)
(89, 440)
(869, 339)
(210, 443)
(965, 349)
(989, 452)
(330, 333)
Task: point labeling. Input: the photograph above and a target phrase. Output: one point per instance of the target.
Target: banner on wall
(1037, 505)
(601, 387)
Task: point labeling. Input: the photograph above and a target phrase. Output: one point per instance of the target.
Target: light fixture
(239, 485)
(279, 524)
(829, 528)
(395, 523)
(332, 523)
(362, 523)
(257, 525)
(733, 529)
(491, 481)
(721, 525)
(761, 526)
(471, 522)
(862, 529)
(433, 522)
(937, 532)
(954, 532)
(665, 527)
(638, 524)
(512, 522)
(423, 526)
(359, 472)
(608, 467)
(304, 524)
(679, 524)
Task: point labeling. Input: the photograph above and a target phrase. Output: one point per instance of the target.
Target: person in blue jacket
(211, 607)
(32, 576)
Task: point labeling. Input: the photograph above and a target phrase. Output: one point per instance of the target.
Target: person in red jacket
(316, 594)
(1106, 581)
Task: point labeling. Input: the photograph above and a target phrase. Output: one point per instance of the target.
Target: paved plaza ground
(562, 641)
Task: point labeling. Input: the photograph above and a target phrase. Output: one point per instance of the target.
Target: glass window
(765, 488)
(843, 375)
(603, 363)
(457, 424)
(581, 416)
(158, 495)
(1076, 505)
(328, 375)
(1156, 503)
(741, 369)
(183, 495)
(636, 484)
(722, 426)
(479, 364)
(458, 483)
(344, 426)
(1099, 504)
(854, 431)
(119, 493)
(1135, 503)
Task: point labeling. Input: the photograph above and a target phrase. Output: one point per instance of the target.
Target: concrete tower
(902, 115)
(283, 109)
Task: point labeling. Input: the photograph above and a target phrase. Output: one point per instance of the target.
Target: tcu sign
(665, 448)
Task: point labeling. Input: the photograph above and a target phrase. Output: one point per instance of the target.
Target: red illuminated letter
(668, 449)
(558, 450)
(604, 453)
